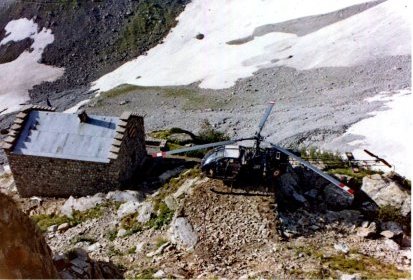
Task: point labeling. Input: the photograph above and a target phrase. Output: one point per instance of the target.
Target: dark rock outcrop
(23, 249)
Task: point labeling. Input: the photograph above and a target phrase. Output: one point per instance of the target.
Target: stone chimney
(83, 117)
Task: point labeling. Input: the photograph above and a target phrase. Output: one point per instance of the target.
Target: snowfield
(182, 59)
(387, 133)
(19, 76)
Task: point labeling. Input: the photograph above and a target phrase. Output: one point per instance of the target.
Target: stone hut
(60, 154)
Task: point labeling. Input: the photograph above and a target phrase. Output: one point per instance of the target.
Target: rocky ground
(91, 38)
(312, 106)
(195, 227)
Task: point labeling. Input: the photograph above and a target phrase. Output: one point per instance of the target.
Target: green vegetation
(160, 241)
(332, 266)
(111, 234)
(208, 134)
(390, 213)
(164, 216)
(358, 177)
(367, 266)
(120, 90)
(44, 221)
(149, 22)
(132, 250)
(334, 164)
(164, 134)
(146, 274)
(331, 160)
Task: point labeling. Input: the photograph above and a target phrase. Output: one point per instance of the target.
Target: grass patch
(132, 250)
(368, 267)
(358, 177)
(164, 216)
(208, 134)
(191, 99)
(160, 241)
(119, 90)
(44, 221)
(130, 224)
(111, 234)
(389, 213)
(149, 22)
(331, 160)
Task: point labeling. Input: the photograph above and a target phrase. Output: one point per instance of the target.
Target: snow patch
(387, 133)
(19, 76)
(182, 59)
(75, 108)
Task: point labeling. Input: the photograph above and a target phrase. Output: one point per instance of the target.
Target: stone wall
(132, 151)
(23, 250)
(43, 176)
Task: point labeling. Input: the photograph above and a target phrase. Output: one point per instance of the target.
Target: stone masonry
(57, 177)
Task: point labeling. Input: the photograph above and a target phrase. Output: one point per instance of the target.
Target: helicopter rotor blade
(378, 158)
(329, 178)
(199, 147)
(265, 117)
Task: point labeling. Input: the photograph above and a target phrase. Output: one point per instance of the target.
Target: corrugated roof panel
(62, 135)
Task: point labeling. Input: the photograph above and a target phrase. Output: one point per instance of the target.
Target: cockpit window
(213, 156)
(231, 152)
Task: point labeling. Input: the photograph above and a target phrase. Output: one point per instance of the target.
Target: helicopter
(230, 163)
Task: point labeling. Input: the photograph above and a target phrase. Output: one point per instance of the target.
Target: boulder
(200, 36)
(342, 247)
(386, 192)
(121, 232)
(367, 232)
(180, 138)
(170, 173)
(185, 187)
(392, 245)
(145, 212)
(289, 191)
(125, 196)
(336, 198)
(81, 203)
(182, 233)
(159, 274)
(128, 208)
(350, 277)
(387, 234)
(63, 227)
(350, 217)
(94, 247)
(171, 202)
(394, 227)
(52, 228)
(78, 265)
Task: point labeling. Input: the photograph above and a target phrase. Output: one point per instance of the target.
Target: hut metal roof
(60, 135)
